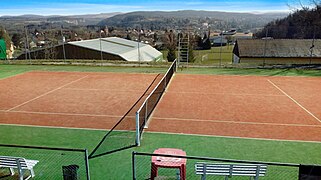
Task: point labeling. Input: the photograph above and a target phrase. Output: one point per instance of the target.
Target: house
(277, 51)
(219, 41)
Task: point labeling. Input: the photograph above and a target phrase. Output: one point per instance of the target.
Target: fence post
(87, 164)
(137, 129)
(134, 165)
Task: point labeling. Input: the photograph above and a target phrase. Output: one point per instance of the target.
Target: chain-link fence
(173, 167)
(22, 162)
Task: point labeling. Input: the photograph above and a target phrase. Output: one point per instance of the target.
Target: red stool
(168, 162)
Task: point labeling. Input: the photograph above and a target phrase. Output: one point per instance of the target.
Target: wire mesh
(145, 111)
(49, 163)
(169, 170)
(124, 134)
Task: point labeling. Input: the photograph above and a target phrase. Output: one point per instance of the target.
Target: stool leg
(153, 173)
(183, 172)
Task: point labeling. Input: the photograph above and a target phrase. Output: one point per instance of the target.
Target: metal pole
(101, 51)
(187, 49)
(63, 44)
(221, 49)
(138, 48)
(137, 130)
(146, 115)
(28, 49)
(87, 164)
(264, 51)
(179, 49)
(312, 46)
(134, 165)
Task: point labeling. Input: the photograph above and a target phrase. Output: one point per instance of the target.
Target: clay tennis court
(284, 108)
(69, 99)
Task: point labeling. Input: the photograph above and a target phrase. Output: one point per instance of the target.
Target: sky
(77, 7)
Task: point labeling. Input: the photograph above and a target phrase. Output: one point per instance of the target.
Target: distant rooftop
(278, 48)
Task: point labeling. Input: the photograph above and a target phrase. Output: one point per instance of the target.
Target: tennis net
(146, 109)
(127, 132)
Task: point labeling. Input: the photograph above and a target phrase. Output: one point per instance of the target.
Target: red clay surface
(67, 99)
(284, 108)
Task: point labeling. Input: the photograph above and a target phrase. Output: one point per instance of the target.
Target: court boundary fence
(49, 151)
(146, 109)
(141, 165)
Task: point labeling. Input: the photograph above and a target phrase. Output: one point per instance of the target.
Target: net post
(137, 129)
(146, 115)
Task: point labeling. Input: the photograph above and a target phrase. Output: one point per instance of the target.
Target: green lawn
(11, 70)
(118, 165)
(254, 72)
(211, 57)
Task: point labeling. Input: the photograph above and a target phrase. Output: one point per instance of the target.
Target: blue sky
(70, 7)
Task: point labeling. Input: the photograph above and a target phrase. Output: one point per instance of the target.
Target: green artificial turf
(11, 70)
(253, 72)
(119, 163)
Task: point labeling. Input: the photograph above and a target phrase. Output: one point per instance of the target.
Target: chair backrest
(219, 169)
(12, 162)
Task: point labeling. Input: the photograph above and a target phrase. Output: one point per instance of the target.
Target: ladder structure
(183, 49)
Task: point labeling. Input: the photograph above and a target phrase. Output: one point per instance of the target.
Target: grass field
(118, 165)
(212, 56)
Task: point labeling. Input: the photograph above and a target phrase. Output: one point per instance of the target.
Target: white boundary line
(238, 122)
(229, 94)
(296, 102)
(169, 133)
(110, 90)
(233, 137)
(47, 93)
(64, 114)
(56, 127)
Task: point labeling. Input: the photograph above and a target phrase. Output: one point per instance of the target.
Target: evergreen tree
(206, 43)
(170, 43)
(171, 56)
(16, 39)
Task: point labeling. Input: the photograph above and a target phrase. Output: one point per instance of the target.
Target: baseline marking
(296, 102)
(239, 122)
(46, 93)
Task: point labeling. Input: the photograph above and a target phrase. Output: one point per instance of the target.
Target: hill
(302, 24)
(89, 19)
(189, 18)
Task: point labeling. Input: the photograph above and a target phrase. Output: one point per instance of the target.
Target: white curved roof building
(126, 49)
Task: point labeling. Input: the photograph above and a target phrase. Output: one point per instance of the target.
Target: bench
(228, 170)
(21, 164)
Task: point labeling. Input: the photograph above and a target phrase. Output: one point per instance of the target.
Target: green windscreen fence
(3, 54)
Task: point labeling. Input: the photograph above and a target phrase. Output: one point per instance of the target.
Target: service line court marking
(65, 114)
(296, 102)
(46, 93)
(239, 122)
